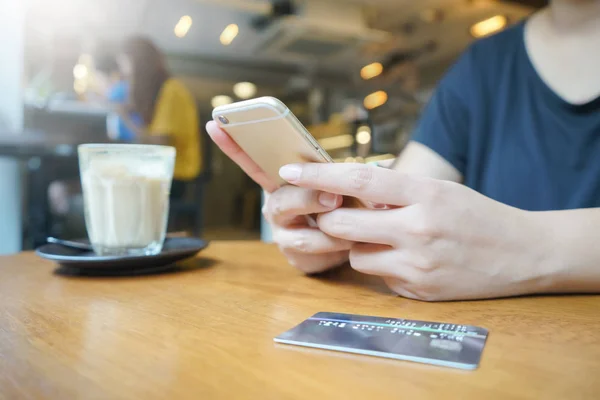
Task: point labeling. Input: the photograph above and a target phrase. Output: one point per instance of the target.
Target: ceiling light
(244, 90)
(371, 71)
(375, 100)
(363, 128)
(80, 71)
(183, 26)
(363, 135)
(220, 100)
(229, 33)
(488, 26)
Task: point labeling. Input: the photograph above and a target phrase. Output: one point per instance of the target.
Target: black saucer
(174, 249)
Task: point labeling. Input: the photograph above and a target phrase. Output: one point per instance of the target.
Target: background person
(168, 110)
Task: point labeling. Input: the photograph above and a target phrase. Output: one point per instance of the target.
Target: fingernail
(290, 172)
(328, 199)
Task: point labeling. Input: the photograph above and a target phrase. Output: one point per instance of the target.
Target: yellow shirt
(176, 115)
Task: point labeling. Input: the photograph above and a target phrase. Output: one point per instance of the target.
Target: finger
(239, 156)
(309, 241)
(373, 259)
(402, 288)
(315, 263)
(384, 261)
(365, 182)
(393, 266)
(287, 202)
(368, 226)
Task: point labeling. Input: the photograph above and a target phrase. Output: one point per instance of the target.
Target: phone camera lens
(223, 119)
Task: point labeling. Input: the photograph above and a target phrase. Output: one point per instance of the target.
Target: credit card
(438, 343)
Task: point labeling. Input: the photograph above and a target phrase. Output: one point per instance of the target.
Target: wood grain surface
(206, 332)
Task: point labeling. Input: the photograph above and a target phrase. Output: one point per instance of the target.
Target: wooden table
(207, 331)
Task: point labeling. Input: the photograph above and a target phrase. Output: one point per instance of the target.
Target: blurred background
(356, 72)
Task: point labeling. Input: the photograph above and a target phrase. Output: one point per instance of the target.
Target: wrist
(554, 254)
(542, 266)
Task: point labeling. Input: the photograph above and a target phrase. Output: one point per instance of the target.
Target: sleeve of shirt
(117, 129)
(166, 115)
(118, 93)
(444, 123)
(112, 126)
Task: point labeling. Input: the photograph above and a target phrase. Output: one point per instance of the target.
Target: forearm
(572, 262)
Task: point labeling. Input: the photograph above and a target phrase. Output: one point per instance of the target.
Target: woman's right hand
(289, 211)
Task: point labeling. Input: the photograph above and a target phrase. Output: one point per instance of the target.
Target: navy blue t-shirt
(509, 134)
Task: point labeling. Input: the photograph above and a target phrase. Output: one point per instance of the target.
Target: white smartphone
(273, 137)
(270, 134)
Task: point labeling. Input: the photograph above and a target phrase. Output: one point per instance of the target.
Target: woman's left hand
(439, 241)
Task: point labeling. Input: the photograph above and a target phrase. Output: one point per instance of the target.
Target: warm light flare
(375, 100)
(183, 26)
(488, 26)
(229, 33)
(371, 71)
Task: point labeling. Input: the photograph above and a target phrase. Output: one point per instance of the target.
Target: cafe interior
(356, 73)
(214, 310)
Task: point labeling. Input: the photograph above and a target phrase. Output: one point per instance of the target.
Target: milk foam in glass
(126, 196)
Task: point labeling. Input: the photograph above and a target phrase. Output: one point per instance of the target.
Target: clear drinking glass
(126, 196)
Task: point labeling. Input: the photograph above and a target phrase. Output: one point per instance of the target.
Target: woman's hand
(306, 247)
(288, 209)
(443, 241)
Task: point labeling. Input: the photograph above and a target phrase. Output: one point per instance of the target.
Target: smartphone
(273, 137)
(270, 134)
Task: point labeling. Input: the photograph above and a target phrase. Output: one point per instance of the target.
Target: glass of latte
(126, 196)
